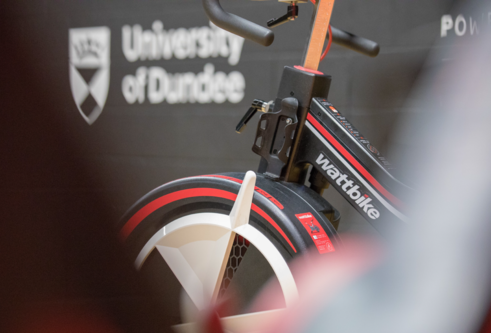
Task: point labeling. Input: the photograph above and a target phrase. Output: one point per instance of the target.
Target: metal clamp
(274, 136)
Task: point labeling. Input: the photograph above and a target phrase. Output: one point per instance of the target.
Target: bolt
(291, 93)
(288, 121)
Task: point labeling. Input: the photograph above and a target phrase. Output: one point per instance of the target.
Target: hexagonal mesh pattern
(237, 253)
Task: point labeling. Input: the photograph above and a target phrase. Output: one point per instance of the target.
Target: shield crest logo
(89, 52)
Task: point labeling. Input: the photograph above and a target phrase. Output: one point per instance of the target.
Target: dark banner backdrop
(149, 133)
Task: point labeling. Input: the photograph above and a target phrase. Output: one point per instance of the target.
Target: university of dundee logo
(89, 69)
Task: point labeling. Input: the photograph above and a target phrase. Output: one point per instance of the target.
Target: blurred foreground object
(62, 268)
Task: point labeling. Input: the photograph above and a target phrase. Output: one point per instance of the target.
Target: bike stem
(299, 86)
(301, 83)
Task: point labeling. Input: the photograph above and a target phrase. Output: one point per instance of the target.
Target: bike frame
(304, 130)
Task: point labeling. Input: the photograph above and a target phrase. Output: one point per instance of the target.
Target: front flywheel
(198, 239)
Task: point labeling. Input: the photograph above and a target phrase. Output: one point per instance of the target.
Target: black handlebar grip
(355, 43)
(237, 25)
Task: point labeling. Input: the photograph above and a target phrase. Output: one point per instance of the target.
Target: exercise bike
(214, 235)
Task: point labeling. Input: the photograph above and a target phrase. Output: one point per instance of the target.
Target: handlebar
(355, 43)
(237, 25)
(256, 33)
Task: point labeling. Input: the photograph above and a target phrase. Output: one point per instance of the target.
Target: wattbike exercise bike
(214, 234)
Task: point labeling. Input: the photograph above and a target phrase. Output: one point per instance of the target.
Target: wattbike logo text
(349, 187)
(158, 85)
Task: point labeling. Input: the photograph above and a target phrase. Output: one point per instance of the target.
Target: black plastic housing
(357, 144)
(303, 85)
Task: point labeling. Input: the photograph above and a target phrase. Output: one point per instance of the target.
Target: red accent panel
(190, 193)
(353, 161)
(308, 70)
(257, 189)
(316, 232)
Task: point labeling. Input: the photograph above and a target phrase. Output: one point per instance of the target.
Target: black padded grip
(237, 25)
(355, 43)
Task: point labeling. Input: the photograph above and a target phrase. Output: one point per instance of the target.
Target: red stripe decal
(257, 189)
(190, 193)
(353, 161)
(308, 70)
